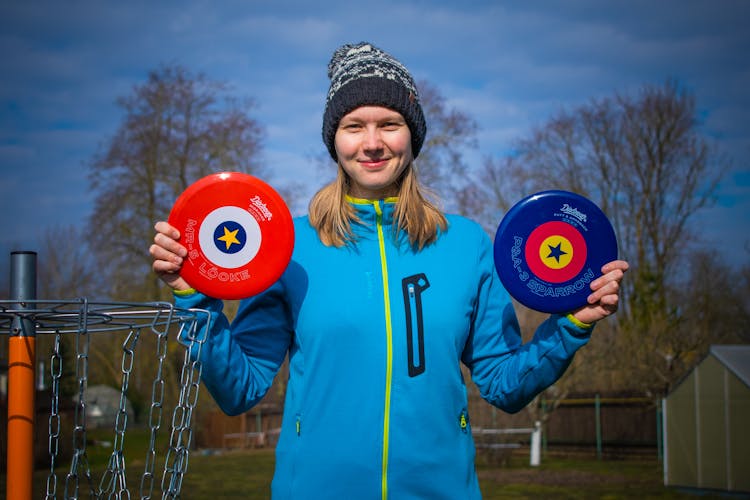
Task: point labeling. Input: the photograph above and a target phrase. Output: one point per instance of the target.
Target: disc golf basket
(149, 330)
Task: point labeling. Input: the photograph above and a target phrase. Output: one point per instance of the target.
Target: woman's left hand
(605, 293)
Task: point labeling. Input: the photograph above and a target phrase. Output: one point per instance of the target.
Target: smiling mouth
(374, 164)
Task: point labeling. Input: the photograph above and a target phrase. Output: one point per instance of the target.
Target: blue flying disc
(550, 246)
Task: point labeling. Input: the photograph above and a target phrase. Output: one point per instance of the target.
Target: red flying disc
(238, 233)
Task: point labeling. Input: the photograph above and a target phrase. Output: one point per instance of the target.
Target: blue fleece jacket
(376, 405)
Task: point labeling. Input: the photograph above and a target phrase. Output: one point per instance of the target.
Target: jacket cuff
(574, 332)
(191, 298)
(578, 323)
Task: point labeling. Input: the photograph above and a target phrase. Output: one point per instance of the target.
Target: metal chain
(53, 423)
(191, 333)
(182, 432)
(80, 459)
(155, 413)
(113, 482)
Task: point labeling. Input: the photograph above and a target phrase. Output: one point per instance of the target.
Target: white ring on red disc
(251, 243)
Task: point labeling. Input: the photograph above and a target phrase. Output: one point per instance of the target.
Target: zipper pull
(298, 425)
(464, 421)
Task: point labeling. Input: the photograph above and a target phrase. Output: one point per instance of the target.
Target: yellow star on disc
(556, 252)
(229, 237)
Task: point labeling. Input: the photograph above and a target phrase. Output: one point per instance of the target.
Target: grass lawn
(247, 474)
(574, 478)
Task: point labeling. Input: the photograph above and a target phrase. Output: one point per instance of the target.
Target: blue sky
(509, 65)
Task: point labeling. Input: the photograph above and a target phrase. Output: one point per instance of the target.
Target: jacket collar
(368, 212)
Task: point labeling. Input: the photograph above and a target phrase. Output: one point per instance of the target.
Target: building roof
(736, 358)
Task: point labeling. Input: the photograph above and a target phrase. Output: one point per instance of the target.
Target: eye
(392, 125)
(351, 126)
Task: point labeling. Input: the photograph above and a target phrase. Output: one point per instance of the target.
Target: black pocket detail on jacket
(412, 287)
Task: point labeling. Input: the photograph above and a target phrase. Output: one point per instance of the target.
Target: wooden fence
(596, 423)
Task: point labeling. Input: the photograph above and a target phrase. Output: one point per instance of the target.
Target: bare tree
(710, 311)
(177, 127)
(66, 269)
(499, 184)
(450, 133)
(644, 161)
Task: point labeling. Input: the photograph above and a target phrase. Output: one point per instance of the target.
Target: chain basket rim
(75, 315)
(80, 317)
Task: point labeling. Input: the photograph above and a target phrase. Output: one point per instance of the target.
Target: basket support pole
(21, 388)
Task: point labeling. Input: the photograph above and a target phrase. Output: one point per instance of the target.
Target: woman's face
(373, 146)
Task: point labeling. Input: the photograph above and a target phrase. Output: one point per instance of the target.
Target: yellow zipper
(389, 350)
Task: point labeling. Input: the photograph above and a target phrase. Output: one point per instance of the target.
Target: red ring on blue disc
(238, 232)
(555, 251)
(549, 247)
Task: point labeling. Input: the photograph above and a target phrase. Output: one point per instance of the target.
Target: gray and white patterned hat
(363, 74)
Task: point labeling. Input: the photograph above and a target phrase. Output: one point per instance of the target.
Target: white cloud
(509, 65)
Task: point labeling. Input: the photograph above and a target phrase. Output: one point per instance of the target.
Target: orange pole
(21, 388)
(21, 359)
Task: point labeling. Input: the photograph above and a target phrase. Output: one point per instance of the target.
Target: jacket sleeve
(508, 373)
(239, 361)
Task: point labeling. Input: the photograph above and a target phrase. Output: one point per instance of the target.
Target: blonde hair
(331, 215)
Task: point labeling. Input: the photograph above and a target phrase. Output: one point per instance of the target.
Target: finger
(610, 288)
(594, 312)
(611, 277)
(167, 229)
(159, 252)
(165, 267)
(615, 264)
(610, 301)
(171, 245)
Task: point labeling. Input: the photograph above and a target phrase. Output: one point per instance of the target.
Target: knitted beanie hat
(363, 74)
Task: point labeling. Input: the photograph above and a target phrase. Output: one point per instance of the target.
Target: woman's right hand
(168, 255)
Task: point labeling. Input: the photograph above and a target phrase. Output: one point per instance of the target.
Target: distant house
(707, 423)
(103, 405)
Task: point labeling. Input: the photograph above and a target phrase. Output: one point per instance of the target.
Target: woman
(384, 298)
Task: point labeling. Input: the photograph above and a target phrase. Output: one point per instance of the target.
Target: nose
(372, 140)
